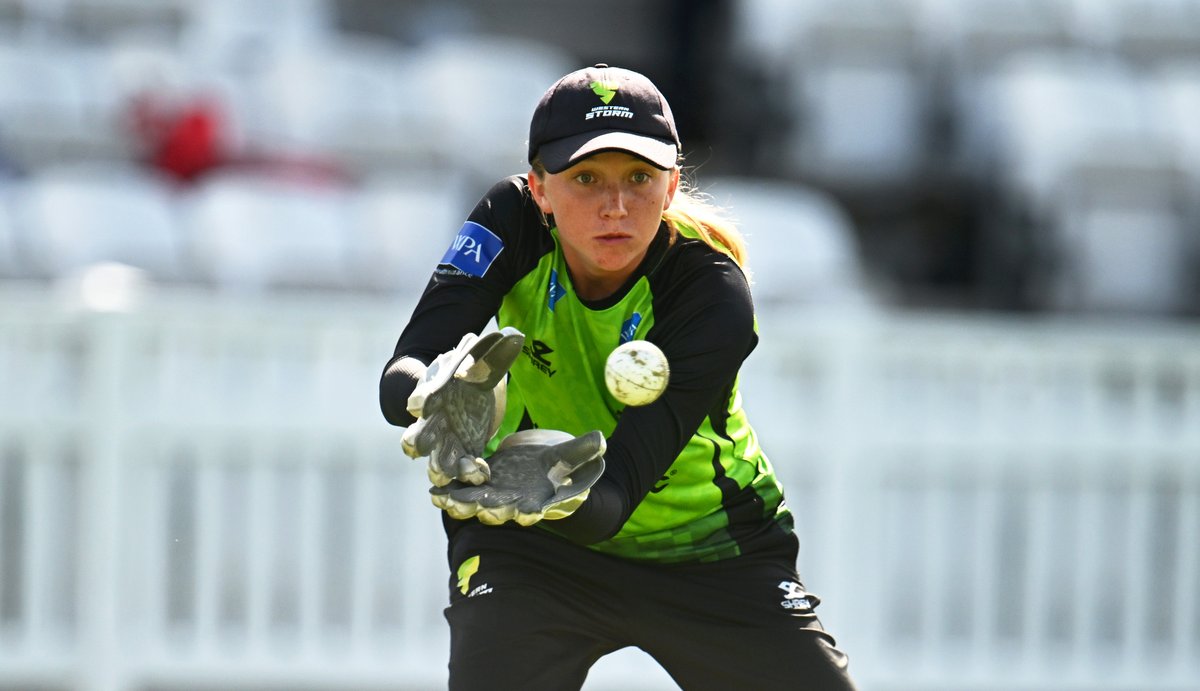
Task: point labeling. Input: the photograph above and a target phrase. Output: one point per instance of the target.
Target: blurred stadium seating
(979, 111)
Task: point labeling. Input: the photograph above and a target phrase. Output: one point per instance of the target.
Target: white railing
(995, 503)
(203, 493)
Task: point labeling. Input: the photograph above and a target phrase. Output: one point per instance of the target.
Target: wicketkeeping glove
(459, 404)
(536, 474)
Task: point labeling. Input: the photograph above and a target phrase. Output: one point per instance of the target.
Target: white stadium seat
(1151, 32)
(859, 96)
(483, 90)
(977, 37)
(802, 247)
(403, 224)
(73, 216)
(355, 100)
(1174, 98)
(1051, 107)
(1121, 238)
(254, 233)
(43, 100)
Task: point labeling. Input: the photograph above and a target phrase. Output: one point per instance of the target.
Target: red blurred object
(188, 138)
(184, 141)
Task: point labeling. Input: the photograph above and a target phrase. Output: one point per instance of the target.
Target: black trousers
(531, 611)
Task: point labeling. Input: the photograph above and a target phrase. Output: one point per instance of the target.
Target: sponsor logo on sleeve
(473, 250)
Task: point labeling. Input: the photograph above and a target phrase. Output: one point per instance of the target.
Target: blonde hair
(692, 214)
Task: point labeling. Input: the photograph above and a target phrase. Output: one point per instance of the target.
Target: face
(607, 208)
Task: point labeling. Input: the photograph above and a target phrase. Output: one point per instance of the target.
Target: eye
(642, 177)
(585, 178)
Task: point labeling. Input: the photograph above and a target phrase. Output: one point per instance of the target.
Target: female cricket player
(577, 525)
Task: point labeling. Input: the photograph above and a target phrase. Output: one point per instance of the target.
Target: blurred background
(974, 239)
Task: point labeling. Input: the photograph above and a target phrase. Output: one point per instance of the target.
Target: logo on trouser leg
(467, 569)
(794, 596)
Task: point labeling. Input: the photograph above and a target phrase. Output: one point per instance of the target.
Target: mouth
(613, 237)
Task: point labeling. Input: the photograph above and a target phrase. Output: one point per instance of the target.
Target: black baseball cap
(603, 108)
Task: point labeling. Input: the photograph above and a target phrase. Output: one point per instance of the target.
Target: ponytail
(692, 214)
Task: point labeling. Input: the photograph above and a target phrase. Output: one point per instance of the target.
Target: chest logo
(537, 351)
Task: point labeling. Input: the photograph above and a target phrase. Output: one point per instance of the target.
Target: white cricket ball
(636, 373)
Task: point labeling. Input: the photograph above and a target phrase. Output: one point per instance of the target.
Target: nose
(613, 202)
